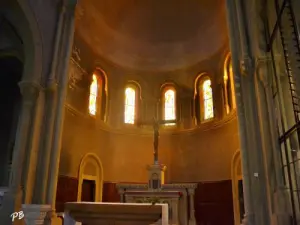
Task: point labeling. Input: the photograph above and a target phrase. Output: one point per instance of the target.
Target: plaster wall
(191, 153)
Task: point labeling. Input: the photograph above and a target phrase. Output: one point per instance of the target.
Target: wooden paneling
(110, 192)
(213, 203)
(67, 188)
(88, 191)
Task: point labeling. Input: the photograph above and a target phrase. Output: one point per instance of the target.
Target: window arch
(131, 102)
(98, 95)
(229, 96)
(203, 99)
(169, 104)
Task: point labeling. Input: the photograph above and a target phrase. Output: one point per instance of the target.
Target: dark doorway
(241, 199)
(11, 70)
(88, 191)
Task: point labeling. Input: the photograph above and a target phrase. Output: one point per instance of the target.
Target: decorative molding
(76, 73)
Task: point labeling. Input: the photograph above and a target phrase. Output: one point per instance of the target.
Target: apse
(152, 35)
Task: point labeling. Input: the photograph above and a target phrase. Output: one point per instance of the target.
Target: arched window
(169, 104)
(130, 105)
(207, 100)
(93, 96)
(97, 102)
(229, 96)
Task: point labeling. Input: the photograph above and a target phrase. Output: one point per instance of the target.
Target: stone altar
(179, 197)
(92, 213)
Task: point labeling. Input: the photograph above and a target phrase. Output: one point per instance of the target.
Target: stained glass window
(208, 100)
(93, 96)
(169, 110)
(129, 113)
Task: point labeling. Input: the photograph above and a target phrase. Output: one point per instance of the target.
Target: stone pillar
(192, 220)
(30, 92)
(12, 198)
(35, 214)
(235, 37)
(67, 42)
(272, 151)
(39, 196)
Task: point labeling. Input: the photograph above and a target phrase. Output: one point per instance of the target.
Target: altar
(179, 197)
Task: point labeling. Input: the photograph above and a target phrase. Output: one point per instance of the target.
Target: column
(272, 151)
(191, 193)
(121, 193)
(39, 196)
(67, 41)
(30, 92)
(13, 197)
(235, 51)
(175, 204)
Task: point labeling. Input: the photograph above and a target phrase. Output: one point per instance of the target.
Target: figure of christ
(156, 123)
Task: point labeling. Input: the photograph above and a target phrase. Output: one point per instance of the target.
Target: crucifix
(156, 123)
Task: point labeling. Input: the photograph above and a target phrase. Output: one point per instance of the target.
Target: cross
(156, 123)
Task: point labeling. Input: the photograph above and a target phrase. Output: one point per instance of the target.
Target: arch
(198, 80)
(132, 102)
(92, 159)
(25, 22)
(228, 79)
(236, 176)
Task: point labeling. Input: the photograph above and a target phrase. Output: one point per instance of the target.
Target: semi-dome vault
(152, 35)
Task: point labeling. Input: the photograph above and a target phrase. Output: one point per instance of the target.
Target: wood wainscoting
(67, 190)
(213, 200)
(213, 203)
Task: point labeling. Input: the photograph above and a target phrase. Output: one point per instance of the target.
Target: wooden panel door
(88, 191)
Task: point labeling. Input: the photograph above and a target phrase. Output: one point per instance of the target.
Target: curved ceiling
(152, 34)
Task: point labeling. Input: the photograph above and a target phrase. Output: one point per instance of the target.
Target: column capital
(191, 191)
(30, 91)
(246, 65)
(261, 66)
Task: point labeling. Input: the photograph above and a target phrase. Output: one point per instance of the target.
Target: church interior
(83, 84)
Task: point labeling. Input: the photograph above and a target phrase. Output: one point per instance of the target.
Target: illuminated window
(207, 100)
(129, 113)
(93, 96)
(169, 105)
(229, 94)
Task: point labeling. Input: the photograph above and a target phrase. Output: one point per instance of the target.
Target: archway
(10, 98)
(237, 188)
(90, 176)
